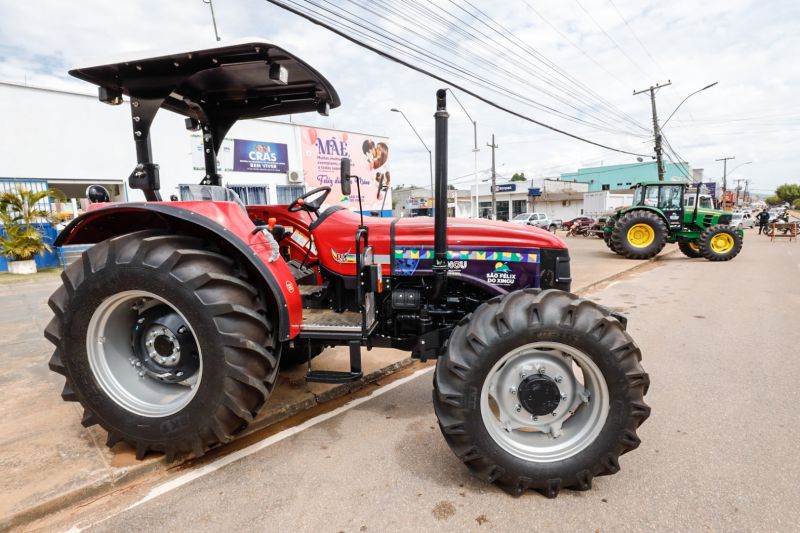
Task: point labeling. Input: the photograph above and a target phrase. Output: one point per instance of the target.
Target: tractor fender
(225, 223)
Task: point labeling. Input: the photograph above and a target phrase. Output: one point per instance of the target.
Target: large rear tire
(540, 390)
(719, 243)
(639, 234)
(163, 341)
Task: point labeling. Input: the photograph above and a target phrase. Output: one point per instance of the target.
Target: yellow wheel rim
(641, 235)
(693, 246)
(722, 243)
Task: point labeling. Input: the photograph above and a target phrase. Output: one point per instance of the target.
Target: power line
(646, 51)
(297, 10)
(434, 61)
(613, 41)
(454, 48)
(507, 34)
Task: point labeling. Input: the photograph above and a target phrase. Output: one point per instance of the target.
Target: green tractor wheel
(690, 249)
(639, 234)
(719, 243)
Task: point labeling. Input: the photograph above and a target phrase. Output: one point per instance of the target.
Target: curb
(125, 475)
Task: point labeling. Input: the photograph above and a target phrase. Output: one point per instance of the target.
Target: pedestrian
(763, 219)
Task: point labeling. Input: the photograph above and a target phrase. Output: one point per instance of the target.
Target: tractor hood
(462, 231)
(399, 237)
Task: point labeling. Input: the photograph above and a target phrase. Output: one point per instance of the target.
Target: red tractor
(170, 329)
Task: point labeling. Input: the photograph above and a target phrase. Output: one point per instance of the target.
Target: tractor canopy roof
(246, 79)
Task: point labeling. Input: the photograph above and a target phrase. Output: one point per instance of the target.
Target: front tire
(163, 341)
(639, 234)
(719, 243)
(690, 249)
(514, 410)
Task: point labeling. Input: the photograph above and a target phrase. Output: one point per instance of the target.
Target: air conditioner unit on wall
(294, 177)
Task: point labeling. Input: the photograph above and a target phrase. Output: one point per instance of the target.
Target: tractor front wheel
(690, 249)
(639, 235)
(540, 390)
(719, 243)
(163, 341)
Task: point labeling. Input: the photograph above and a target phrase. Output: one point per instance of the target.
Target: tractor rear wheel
(639, 234)
(540, 390)
(163, 341)
(719, 243)
(690, 249)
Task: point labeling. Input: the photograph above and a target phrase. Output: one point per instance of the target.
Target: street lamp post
(430, 156)
(213, 18)
(474, 149)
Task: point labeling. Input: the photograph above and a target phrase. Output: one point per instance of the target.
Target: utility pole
(725, 176)
(746, 192)
(656, 130)
(493, 146)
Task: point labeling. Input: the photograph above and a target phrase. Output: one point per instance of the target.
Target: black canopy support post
(440, 198)
(212, 176)
(145, 176)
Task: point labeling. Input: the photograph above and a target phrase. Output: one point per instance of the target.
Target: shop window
(289, 193)
(518, 207)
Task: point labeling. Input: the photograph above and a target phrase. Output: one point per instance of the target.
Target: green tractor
(665, 212)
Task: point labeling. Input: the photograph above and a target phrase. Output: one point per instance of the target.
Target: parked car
(580, 221)
(539, 220)
(741, 221)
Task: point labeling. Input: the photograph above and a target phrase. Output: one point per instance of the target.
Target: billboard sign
(505, 187)
(369, 155)
(258, 156)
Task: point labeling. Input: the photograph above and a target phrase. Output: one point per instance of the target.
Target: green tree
(19, 212)
(772, 200)
(788, 193)
(518, 176)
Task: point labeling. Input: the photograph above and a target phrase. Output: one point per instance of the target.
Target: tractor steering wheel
(303, 204)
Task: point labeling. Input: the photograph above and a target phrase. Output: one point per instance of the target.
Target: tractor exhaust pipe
(440, 198)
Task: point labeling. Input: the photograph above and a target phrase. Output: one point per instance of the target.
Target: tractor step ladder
(335, 376)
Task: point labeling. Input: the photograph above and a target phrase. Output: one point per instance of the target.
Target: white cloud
(749, 47)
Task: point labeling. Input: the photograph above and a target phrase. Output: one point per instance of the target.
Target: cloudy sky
(569, 63)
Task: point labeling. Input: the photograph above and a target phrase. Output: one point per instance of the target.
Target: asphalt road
(719, 453)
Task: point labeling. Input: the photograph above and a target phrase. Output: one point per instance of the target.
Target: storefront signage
(258, 156)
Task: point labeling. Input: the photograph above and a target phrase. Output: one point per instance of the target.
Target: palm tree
(19, 212)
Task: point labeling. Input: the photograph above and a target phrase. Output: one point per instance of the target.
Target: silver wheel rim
(109, 348)
(570, 428)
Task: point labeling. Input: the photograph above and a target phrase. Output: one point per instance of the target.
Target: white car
(741, 220)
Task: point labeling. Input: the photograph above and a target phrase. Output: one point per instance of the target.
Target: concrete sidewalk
(50, 461)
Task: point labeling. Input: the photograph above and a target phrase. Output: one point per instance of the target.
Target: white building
(71, 140)
(558, 199)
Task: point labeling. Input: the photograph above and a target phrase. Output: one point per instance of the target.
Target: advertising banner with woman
(323, 150)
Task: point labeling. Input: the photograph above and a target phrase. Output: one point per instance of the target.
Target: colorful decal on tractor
(507, 269)
(345, 258)
(501, 275)
(467, 255)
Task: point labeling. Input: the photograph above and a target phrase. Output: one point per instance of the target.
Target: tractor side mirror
(344, 175)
